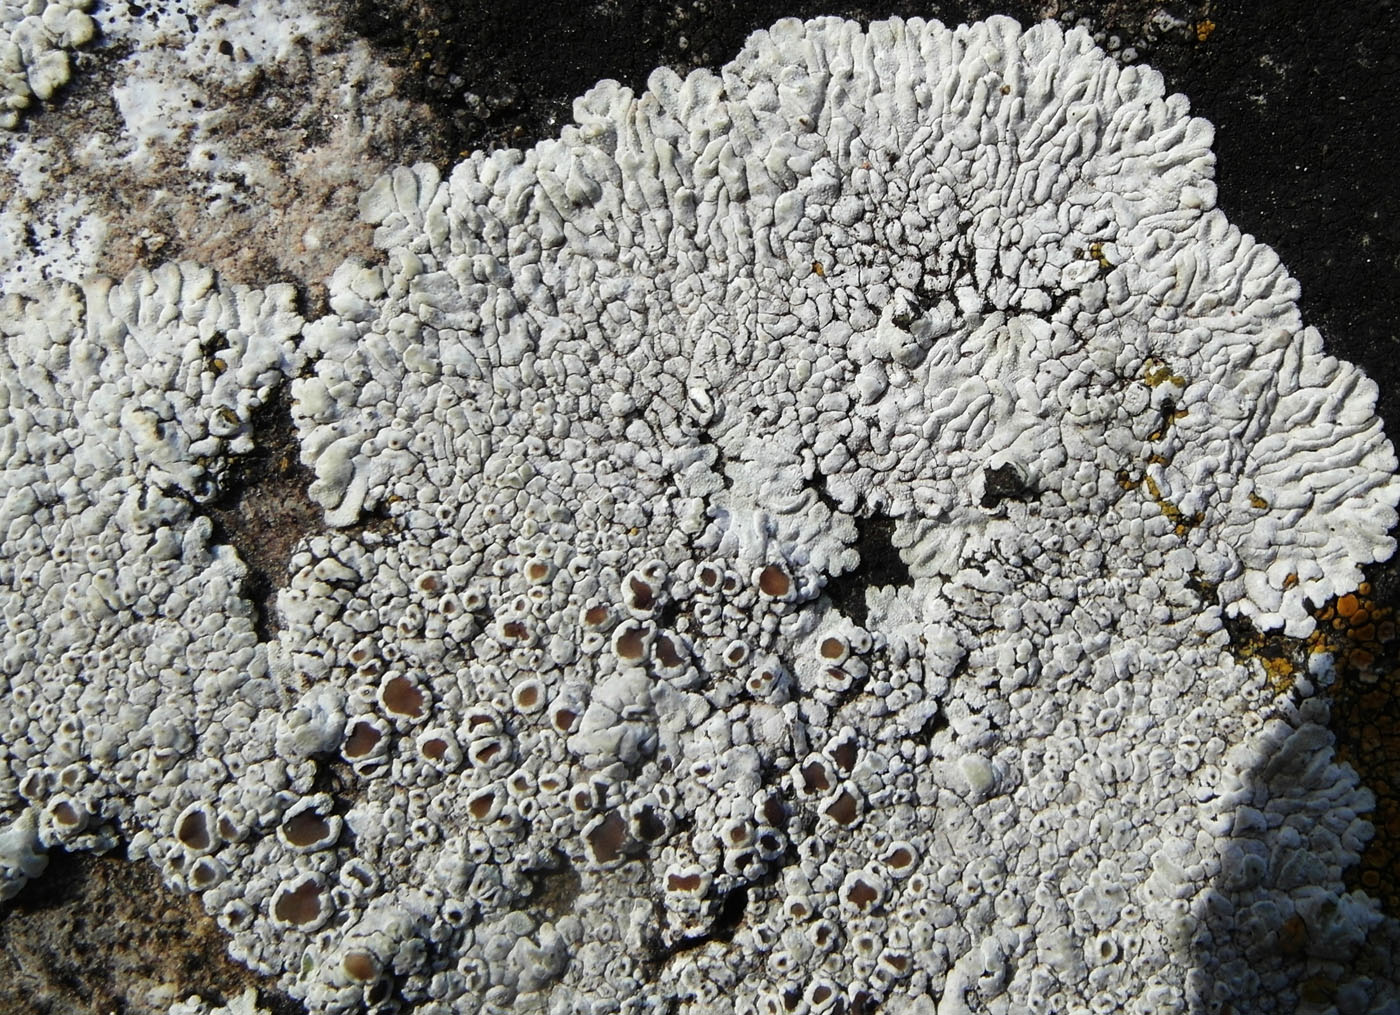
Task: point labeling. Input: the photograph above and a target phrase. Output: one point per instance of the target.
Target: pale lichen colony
(633, 403)
(35, 37)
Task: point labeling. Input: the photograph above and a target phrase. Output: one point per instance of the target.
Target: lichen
(639, 405)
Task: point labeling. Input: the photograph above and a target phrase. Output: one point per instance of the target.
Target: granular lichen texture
(583, 726)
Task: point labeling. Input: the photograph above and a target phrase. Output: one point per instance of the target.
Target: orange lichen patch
(773, 581)
(818, 270)
(1205, 28)
(843, 810)
(362, 740)
(832, 648)
(1359, 633)
(1359, 630)
(434, 749)
(306, 828)
(605, 839)
(301, 905)
(360, 966)
(194, 830)
(402, 697)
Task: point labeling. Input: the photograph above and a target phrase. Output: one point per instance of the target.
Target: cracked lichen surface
(784, 538)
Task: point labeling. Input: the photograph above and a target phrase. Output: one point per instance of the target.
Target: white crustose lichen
(629, 718)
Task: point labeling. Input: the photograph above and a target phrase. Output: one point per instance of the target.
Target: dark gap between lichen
(264, 510)
(102, 933)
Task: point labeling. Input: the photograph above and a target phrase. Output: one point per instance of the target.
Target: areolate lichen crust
(35, 37)
(613, 711)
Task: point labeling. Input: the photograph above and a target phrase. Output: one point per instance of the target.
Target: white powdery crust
(628, 400)
(35, 36)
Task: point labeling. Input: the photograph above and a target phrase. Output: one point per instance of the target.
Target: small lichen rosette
(636, 398)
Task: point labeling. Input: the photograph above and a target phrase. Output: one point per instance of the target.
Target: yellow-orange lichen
(1358, 632)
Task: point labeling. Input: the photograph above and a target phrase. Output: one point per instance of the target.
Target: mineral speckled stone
(601, 738)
